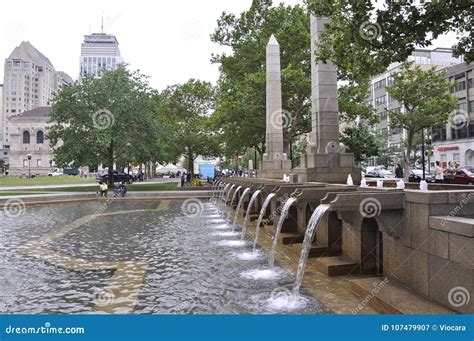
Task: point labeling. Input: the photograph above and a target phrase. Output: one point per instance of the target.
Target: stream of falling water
(232, 201)
(249, 209)
(260, 218)
(242, 197)
(284, 214)
(308, 240)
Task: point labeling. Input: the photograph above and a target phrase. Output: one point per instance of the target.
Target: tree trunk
(111, 165)
(191, 164)
(406, 163)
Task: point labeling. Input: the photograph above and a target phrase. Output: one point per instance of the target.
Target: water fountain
(214, 190)
(401, 184)
(349, 182)
(284, 214)
(249, 209)
(423, 186)
(235, 195)
(267, 201)
(228, 194)
(242, 197)
(308, 240)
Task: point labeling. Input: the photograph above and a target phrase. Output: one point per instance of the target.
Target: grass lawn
(43, 180)
(94, 188)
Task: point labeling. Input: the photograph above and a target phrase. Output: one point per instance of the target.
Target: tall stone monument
(275, 162)
(324, 160)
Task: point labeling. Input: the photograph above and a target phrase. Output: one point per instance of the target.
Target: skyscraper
(99, 51)
(30, 81)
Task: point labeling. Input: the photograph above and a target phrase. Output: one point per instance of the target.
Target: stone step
(318, 250)
(292, 238)
(336, 266)
(389, 297)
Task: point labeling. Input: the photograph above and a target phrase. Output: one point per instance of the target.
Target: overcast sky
(167, 40)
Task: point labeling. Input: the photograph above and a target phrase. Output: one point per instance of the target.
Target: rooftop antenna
(102, 26)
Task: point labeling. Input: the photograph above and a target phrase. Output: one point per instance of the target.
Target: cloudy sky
(167, 40)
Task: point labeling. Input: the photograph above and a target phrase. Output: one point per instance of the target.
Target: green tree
(240, 111)
(360, 141)
(187, 108)
(365, 36)
(104, 120)
(425, 99)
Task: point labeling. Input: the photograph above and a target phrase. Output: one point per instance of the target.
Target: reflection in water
(188, 272)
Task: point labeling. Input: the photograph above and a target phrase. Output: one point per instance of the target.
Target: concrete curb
(61, 198)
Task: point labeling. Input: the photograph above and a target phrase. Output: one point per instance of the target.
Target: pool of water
(64, 259)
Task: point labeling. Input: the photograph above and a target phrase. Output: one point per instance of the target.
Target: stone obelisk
(324, 161)
(275, 162)
(325, 108)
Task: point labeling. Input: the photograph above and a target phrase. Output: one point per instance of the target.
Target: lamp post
(29, 166)
(128, 164)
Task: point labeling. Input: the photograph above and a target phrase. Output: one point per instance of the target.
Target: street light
(29, 166)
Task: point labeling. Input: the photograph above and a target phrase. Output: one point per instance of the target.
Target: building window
(38, 163)
(25, 163)
(459, 131)
(26, 137)
(439, 134)
(40, 137)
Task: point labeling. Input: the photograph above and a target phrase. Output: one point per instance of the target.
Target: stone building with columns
(28, 137)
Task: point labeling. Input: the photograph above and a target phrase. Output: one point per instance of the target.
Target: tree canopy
(425, 99)
(105, 120)
(365, 36)
(240, 106)
(187, 109)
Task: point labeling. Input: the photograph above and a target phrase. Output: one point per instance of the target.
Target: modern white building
(30, 81)
(99, 51)
(455, 141)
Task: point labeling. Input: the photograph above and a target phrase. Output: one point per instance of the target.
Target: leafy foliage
(426, 102)
(365, 36)
(240, 111)
(360, 141)
(105, 120)
(187, 108)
